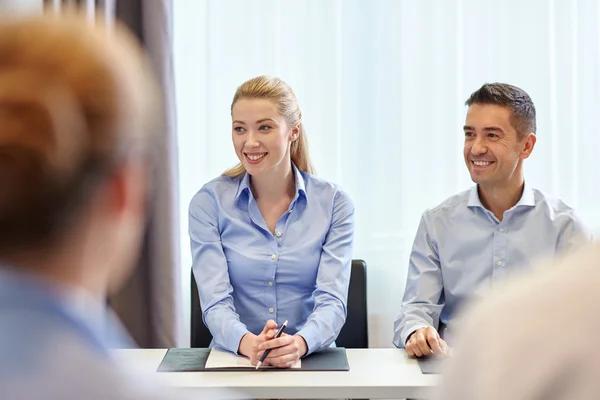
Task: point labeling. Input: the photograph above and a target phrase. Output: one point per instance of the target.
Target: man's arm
(422, 302)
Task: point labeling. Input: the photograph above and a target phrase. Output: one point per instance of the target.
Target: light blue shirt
(461, 248)
(246, 275)
(55, 344)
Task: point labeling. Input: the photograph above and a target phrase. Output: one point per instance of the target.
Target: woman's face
(261, 136)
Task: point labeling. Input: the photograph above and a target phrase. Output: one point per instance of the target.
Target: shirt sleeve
(211, 273)
(422, 302)
(333, 277)
(574, 236)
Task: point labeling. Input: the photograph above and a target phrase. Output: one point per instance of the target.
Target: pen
(277, 334)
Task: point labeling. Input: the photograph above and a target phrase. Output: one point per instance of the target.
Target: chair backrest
(354, 333)
(200, 335)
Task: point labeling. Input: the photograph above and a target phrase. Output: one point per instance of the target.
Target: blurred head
(267, 128)
(76, 104)
(499, 134)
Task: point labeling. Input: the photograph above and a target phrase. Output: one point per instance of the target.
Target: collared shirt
(247, 275)
(55, 343)
(462, 248)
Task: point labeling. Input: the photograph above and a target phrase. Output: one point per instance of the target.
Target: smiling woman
(270, 241)
(276, 103)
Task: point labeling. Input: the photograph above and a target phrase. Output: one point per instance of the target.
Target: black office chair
(354, 333)
(200, 335)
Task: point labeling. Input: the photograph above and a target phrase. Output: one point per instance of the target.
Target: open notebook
(225, 359)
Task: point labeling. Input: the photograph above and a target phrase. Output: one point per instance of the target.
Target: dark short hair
(521, 106)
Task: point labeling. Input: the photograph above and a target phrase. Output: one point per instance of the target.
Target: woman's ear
(295, 132)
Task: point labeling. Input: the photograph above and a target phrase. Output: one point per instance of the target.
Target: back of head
(282, 95)
(523, 116)
(75, 100)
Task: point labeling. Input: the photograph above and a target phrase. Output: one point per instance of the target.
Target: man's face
(493, 148)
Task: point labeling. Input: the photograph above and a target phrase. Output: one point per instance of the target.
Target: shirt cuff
(237, 332)
(408, 330)
(311, 338)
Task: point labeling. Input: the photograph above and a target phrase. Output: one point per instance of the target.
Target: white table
(374, 374)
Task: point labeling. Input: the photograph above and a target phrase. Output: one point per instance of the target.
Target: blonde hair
(75, 99)
(276, 90)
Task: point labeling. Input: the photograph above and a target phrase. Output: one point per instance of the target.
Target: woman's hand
(249, 345)
(286, 350)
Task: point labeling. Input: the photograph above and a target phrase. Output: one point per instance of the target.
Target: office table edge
(402, 377)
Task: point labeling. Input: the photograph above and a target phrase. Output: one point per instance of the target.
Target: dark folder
(430, 365)
(194, 359)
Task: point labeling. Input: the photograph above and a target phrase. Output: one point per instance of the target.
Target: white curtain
(382, 85)
(20, 7)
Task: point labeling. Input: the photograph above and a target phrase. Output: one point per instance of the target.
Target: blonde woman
(270, 241)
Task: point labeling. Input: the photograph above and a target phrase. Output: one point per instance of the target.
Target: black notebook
(194, 359)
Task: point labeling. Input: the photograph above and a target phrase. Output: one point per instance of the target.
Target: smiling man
(476, 238)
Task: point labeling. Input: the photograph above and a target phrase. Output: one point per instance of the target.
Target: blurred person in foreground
(534, 339)
(77, 105)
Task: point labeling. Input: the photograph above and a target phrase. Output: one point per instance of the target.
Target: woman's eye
(238, 129)
(264, 128)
